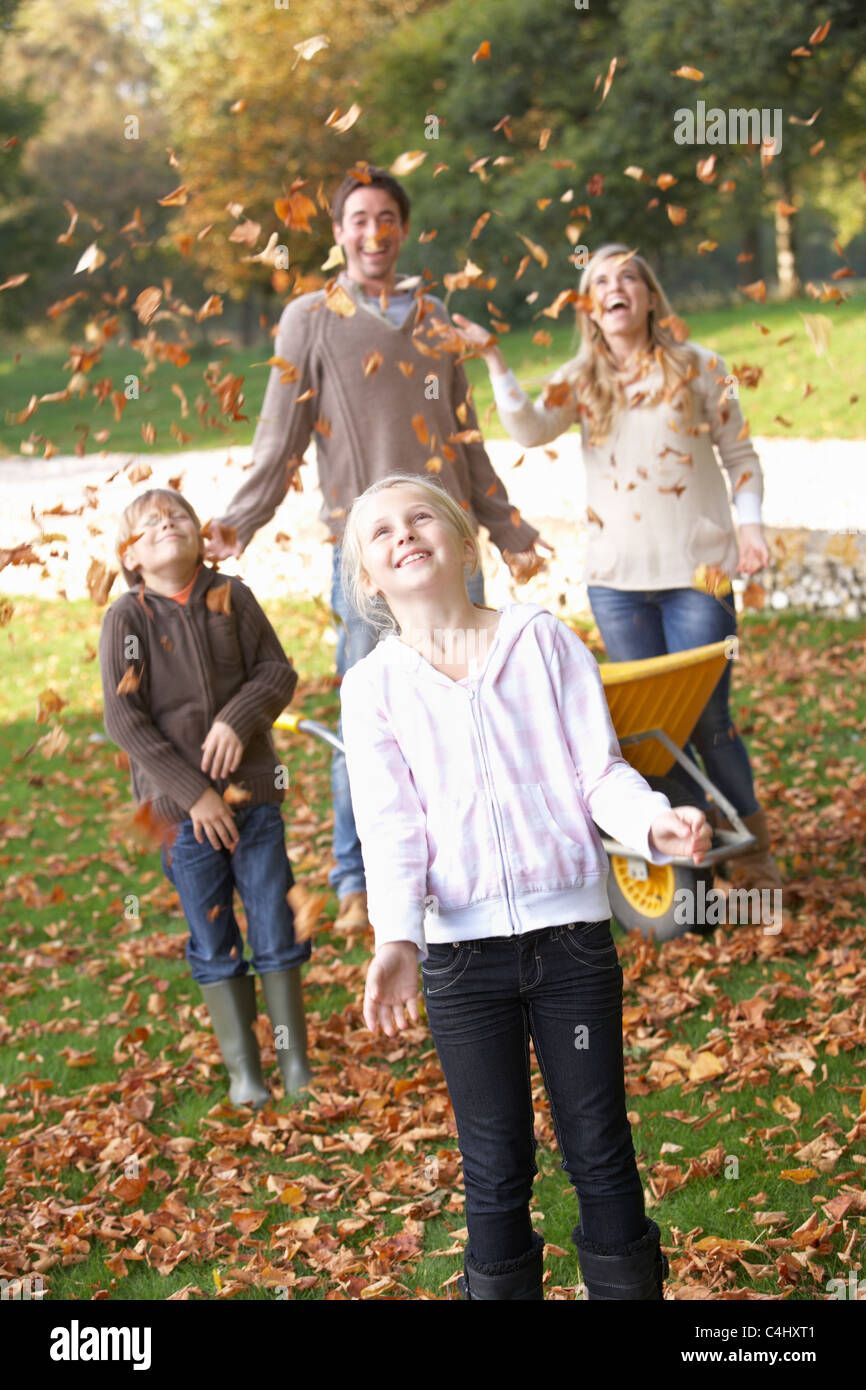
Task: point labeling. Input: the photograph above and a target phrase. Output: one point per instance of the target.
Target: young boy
(193, 677)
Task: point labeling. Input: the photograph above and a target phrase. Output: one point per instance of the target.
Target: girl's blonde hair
(375, 610)
(593, 374)
(157, 499)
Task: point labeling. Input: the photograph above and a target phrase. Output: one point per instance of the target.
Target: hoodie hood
(514, 619)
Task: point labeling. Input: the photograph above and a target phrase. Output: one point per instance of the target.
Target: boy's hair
(375, 610)
(375, 178)
(157, 499)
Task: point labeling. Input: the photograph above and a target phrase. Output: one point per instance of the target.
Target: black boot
(514, 1279)
(633, 1271)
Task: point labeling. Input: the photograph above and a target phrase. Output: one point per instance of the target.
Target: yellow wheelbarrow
(654, 706)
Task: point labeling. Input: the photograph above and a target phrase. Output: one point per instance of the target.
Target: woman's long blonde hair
(593, 374)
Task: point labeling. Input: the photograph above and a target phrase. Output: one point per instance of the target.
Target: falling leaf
(307, 908)
(147, 303)
(543, 139)
(705, 247)
(798, 120)
(213, 305)
(407, 368)
(611, 69)
(419, 425)
(595, 185)
(818, 328)
(480, 224)
(233, 794)
(295, 209)
(536, 251)
(372, 362)
(90, 260)
(693, 74)
(706, 169)
(482, 51)
(237, 107)
(99, 581)
(665, 181)
(129, 681)
(754, 596)
(346, 121)
(785, 209)
(219, 600)
(594, 518)
(176, 199)
(19, 279)
(757, 291)
(408, 161)
(820, 34)
(676, 214)
(339, 301)
(434, 464)
(634, 171)
(677, 327)
(307, 48)
(246, 233)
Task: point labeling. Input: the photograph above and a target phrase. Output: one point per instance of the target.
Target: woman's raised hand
(754, 555)
(392, 988)
(482, 342)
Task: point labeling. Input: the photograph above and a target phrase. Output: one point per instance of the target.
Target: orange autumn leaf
(407, 162)
(372, 362)
(219, 600)
(176, 199)
(611, 69)
(754, 596)
(799, 1174)
(676, 214)
(819, 35)
(757, 291)
(537, 252)
(542, 338)
(482, 51)
(339, 301)
(665, 181)
(99, 581)
(236, 796)
(593, 517)
(480, 224)
(705, 247)
(212, 305)
(705, 169)
(295, 210)
(14, 280)
(247, 1221)
(407, 368)
(129, 681)
(693, 74)
(419, 425)
(343, 122)
(434, 463)
(595, 185)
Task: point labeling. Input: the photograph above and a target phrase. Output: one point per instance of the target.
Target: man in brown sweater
(371, 366)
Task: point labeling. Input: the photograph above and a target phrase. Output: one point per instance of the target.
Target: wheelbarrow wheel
(653, 904)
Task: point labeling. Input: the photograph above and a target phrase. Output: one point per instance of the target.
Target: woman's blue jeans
(635, 624)
(561, 987)
(355, 640)
(206, 879)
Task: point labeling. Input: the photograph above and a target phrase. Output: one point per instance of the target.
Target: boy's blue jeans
(206, 879)
(635, 624)
(562, 987)
(355, 640)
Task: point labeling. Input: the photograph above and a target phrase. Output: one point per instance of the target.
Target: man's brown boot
(352, 916)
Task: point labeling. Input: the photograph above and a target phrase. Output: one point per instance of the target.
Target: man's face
(371, 236)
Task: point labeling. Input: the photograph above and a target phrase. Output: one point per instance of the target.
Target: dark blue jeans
(206, 879)
(636, 624)
(355, 640)
(561, 987)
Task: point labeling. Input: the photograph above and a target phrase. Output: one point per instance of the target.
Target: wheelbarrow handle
(296, 723)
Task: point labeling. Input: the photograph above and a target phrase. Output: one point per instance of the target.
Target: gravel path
(810, 485)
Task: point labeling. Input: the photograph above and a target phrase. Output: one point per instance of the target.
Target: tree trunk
(786, 255)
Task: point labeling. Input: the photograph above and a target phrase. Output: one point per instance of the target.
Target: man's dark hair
(375, 178)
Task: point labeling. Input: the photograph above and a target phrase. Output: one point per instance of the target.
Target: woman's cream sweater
(657, 505)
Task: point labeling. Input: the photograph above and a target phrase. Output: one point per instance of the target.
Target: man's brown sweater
(216, 657)
(378, 400)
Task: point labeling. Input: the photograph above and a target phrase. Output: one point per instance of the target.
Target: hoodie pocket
(545, 842)
(464, 863)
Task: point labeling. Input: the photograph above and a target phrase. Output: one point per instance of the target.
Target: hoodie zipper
(475, 706)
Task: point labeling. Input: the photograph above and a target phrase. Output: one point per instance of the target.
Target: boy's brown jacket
(217, 657)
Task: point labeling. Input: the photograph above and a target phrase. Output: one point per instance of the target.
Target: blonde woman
(657, 416)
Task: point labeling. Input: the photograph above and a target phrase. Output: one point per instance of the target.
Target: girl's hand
(392, 987)
(683, 832)
(222, 750)
(482, 343)
(754, 555)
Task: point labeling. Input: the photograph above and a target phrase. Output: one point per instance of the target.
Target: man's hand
(754, 555)
(392, 987)
(683, 832)
(526, 563)
(221, 542)
(222, 750)
(211, 815)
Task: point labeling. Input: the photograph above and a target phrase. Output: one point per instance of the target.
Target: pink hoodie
(475, 799)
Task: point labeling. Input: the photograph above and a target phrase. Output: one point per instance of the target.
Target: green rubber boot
(285, 1005)
(232, 1007)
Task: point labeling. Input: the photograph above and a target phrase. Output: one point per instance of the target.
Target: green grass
(827, 411)
(105, 1052)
